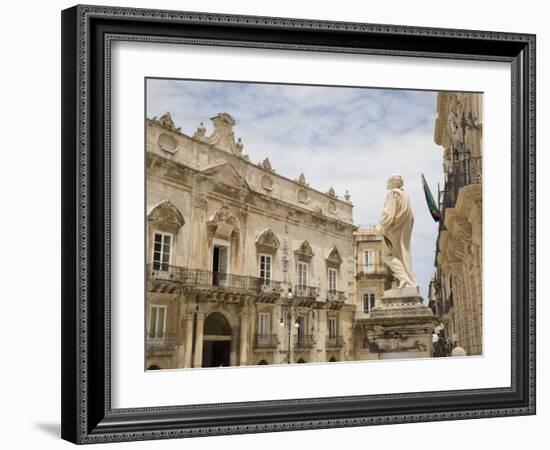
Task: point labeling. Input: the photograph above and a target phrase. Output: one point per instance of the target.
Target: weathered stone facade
(238, 255)
(456, 290)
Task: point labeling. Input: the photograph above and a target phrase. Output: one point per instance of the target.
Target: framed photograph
(280, 224)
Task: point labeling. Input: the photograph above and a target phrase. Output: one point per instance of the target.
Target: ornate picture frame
(88, 33)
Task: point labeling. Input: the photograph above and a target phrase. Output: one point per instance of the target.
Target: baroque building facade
(244, 266)
(456, 289)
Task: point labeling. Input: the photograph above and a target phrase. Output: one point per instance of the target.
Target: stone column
(233, 348)
(188, 339)
(322, 335)
(198, 340)
(243, 356)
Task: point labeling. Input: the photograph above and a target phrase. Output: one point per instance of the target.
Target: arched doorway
(263, 362)
(301, 361)
(332, 359)
(153, 367)
(217, 341)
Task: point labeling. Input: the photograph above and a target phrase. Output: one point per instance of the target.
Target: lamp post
(289, 297)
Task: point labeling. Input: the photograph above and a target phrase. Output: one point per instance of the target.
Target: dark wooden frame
(87, 32)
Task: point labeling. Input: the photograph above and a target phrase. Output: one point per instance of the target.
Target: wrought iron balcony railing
(334, 342)
(374, 269)
(336, 296)
(306, 292)
(304, 341)
(199, 277)
(161, 343)
(265, 341)
(465, 172)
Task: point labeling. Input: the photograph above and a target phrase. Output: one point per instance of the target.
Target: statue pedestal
(401, 326)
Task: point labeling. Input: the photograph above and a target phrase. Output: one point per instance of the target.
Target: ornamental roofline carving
(245, 159)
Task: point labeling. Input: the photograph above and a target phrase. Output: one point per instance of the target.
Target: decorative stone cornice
(334, 258)
(267, 241)
(304, 252)
(165, 212)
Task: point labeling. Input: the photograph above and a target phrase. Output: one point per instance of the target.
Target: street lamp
(289, 296)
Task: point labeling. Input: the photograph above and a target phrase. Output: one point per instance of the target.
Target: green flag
(432, 206)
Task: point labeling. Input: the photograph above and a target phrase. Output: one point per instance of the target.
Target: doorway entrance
(220, 264)
(216, 349)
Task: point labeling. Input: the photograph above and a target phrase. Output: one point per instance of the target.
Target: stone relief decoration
(167, 214)
(331, 207)
(167, 143)
(331, 192)
(302, 196)
(222, 224)
(266, 165)
(302, 180)
(334, 258)
(267, 241)
(266, 182)
(304, 251)
(224, 173)
(223, 136)
(200, 133)
(167, 122)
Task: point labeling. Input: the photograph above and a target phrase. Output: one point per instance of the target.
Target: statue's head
(395, 182)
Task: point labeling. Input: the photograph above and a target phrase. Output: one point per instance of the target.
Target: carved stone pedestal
(401, 326)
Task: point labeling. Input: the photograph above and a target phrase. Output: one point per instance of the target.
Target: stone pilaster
(198, 340)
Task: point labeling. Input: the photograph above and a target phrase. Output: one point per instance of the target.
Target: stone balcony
(265, 341)
(162, 343)
(304, 341)
(166, 278)
(334, 342)
(305, 295)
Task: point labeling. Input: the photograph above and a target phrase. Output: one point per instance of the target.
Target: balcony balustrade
(336, 296)
(265, 341)
(161, 343)
(306, 292)
(304, 341)
(372, 269)
(334, 342)
(206, 278)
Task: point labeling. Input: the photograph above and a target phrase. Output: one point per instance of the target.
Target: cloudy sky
(349, 138)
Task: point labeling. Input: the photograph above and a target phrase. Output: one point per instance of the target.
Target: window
(265, 269)
(332, 279)
(369, 260)
(332, 327)
(157, 321)
(369, 301)
(302, 274)
(162, 248)
(264, 324)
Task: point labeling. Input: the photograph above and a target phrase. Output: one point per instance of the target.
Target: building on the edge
(244, 265)
(456, 290)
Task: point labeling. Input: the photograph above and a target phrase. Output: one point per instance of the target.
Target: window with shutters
(162, 251)
(369, 261)
(302, 274)
(332, 273)
(265, 269)
(369, 301)
(264, 324)
(332, 327)
(157, 321)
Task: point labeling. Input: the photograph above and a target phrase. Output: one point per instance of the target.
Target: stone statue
(396, 226)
